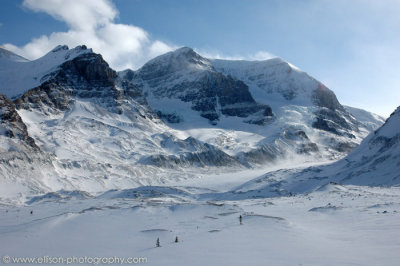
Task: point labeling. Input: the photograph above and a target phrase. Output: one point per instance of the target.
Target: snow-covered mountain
(18, 74)
(376, 162)
(24, 168)
(273, 107)
(190, 78)
(370, 120)
(96, 128)
(175, 150)
(77, 124)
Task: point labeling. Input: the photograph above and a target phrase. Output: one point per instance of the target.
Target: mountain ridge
(97, 129)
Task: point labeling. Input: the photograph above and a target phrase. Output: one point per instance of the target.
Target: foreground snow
(334, 225)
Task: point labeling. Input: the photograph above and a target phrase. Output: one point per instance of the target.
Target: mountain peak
(33, 73)
(184, 50)
(182, 59)
(64, 53)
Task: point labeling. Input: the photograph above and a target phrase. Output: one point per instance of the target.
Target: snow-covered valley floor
(336, 225)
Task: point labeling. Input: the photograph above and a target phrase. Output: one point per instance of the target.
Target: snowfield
(334, 225)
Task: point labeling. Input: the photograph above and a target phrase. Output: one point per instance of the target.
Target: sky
(352, 46)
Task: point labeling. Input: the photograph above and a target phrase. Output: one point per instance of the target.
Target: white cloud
(261, 55)
(91, 22)
(80, 15)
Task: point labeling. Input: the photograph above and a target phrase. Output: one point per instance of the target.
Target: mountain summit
(188, 90)
(190, 78)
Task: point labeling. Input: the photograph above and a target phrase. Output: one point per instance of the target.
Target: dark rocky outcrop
(11, 124)
(185, 75)
(263, 154)
(172, 118)
(193, 153)
(324, 97)
(86, 76)
(215, 93)
(300, 141)
(335, 121)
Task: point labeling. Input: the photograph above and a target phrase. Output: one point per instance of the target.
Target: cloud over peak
(91, 22)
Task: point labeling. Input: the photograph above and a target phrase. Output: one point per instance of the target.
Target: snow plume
(258, 56)
(91, 22)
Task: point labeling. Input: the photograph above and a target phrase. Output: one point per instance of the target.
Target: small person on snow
(240, 219)
(176, 240)
(31, 212)
(158, 242)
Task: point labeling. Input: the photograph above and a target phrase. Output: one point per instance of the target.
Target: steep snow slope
(24, 168)
(278, 82)
(376, 162)
(370, 120)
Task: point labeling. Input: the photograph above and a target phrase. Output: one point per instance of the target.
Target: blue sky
(351, 46)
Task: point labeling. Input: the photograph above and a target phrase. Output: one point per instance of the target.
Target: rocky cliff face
(187, 76)
(86, 76)
(324, 97)
(24, 168)
(11, 124)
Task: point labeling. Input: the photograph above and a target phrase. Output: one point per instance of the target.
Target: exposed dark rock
(307, 148)
(324, 97)
(261, 155)
(294, 135)
(11, 124)
(89, 69)
(209, 156)
(86, 76)
(344, 147)
(47, 97)
(325, 125)
(172, 118)
(300, 140)
(334, 121)
(211, 93)
(215, 93)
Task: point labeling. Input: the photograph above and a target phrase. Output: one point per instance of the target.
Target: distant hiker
(31, 212)
(176, 240)
(158, 242)
(240, 219)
